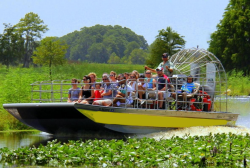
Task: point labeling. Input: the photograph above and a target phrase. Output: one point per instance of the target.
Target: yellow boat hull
(145, 119)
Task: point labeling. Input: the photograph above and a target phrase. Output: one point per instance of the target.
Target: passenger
(147, 85)
(127, 75)
(133, 82)
(136, 73)
(161, 88)
(75, 92)
(141, 87)
(186, 88)
(87, 91)
(104, 74)
(149, 82)
(124, 94)
(120, 77)
(98, 91)
(167, 66)
(113, 79)
(92, 76)
(109, 93)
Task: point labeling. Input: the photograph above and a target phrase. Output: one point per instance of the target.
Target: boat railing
(57, 91)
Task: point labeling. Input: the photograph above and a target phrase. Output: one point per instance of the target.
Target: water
(241, 105)
(14, 140)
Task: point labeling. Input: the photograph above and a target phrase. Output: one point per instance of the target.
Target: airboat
(49, 112)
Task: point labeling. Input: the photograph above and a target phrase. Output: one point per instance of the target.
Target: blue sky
(194, 19)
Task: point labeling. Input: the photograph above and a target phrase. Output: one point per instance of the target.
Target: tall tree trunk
(50, 73)
(26, 54)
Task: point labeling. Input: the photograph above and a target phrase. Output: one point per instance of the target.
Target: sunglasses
(158, 70)
(132, 76)
(164, 56)
(104, 79)
(84, 79)
(111, 75)
(148, 73)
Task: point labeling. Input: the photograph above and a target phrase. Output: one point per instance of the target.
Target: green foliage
(138, 56)
(166, 41)
(231, 41)
(98, 43)
(50, 52)
(31, 27)
(227, 150)
(130, 47)
(238, 84)
(11, 46)
(114, 59)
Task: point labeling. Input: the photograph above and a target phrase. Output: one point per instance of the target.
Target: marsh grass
(238, 84)
(218, 150)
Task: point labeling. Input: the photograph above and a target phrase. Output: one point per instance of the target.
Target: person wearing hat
(165, 64)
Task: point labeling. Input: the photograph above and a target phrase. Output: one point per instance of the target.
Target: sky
(193, 19)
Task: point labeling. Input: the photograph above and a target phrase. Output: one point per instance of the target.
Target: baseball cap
(159, 69)
(165, 55)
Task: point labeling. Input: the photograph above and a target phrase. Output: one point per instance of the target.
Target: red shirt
(97, 95)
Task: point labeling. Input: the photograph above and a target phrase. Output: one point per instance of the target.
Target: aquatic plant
(187, 151)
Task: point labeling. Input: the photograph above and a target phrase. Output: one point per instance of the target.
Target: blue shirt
(74, 93)
(109, 87)
(188, 87)
(149, 84)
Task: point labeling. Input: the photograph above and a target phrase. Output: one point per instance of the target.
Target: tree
(11, 46)
(98, 53)
(97, 43)
(31, 27)
(50, 52)
(114, 59)
(138, 56)
(130, 47)
(166, 41)
(231, 41)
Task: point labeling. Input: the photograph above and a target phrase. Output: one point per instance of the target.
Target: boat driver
(167, 66)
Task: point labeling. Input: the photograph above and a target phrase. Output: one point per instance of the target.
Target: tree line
(18, 42)
(106, 44)
(116, 44)
(231, 41)
(22, 44)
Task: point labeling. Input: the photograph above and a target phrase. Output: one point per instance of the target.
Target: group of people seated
(114, 90)
(124, 88)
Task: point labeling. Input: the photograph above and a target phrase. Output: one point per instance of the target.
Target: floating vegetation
(187, 151)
